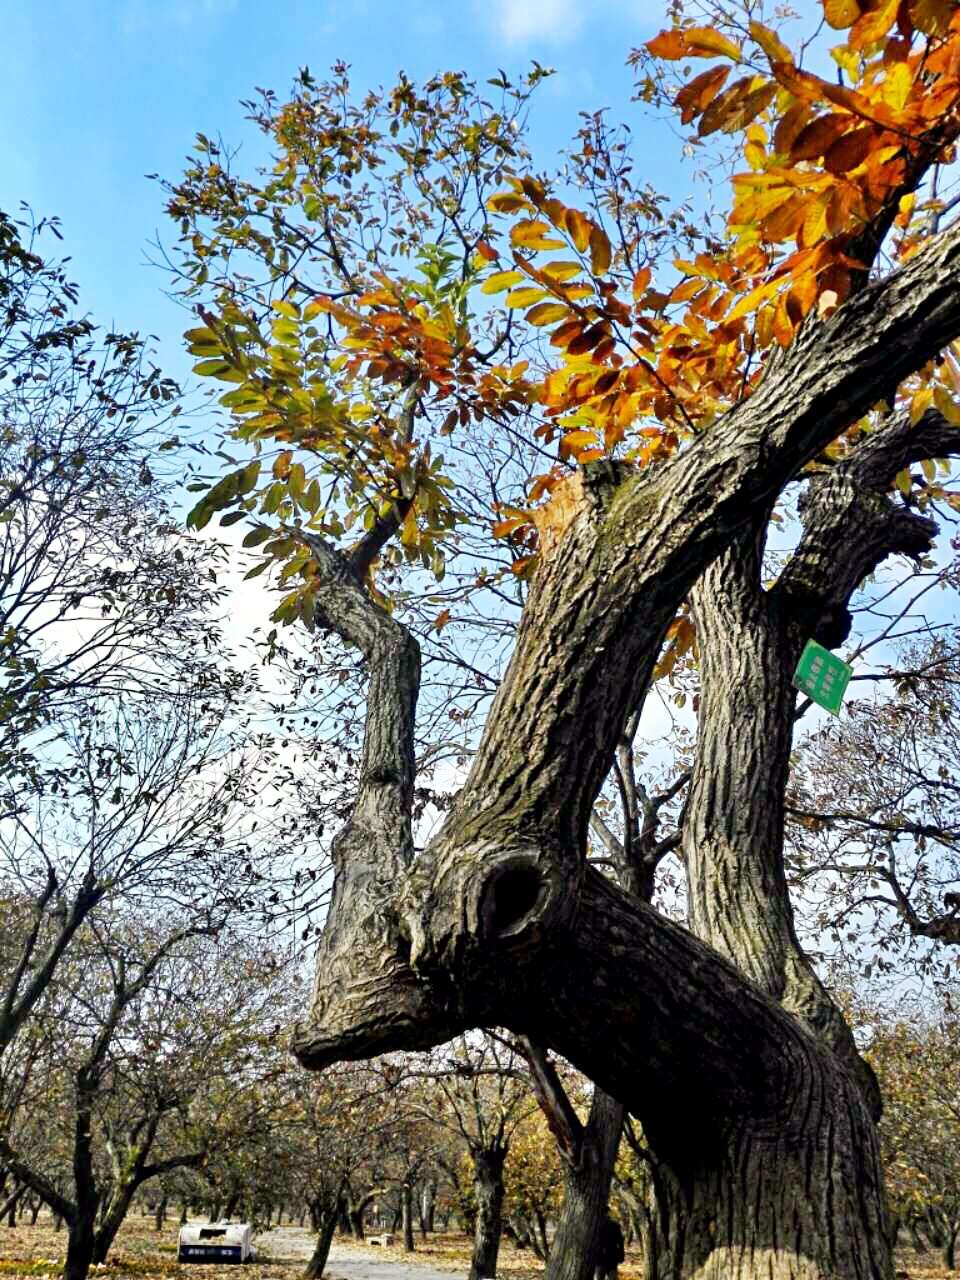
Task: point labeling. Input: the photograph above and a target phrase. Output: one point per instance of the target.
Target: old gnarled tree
(790, 358)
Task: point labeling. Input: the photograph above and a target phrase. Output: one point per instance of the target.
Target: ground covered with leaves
(141, 1251)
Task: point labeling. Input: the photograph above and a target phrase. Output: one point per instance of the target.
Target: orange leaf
(787, 220)
(584, 342)
(790, 126)
(803, 85)
(566, 333)
(486, 251)
(818, 136)
(668, 44)
(751, 106)
(874, 24)
(850, 150)
(578, 227)
(641, 282)
(696, 96)
(932, 17)
(723, 107)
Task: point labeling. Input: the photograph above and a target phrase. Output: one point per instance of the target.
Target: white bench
(384, 1241)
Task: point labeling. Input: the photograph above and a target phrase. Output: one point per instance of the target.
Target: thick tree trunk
(573, 1253)
(764, 1124)
(488, 1194)
(80, 1246)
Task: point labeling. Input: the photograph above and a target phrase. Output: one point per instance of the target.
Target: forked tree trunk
(763, 1121)
(750, 641)
(488, 1194)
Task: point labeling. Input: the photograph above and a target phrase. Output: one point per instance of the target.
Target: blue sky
(95, 94)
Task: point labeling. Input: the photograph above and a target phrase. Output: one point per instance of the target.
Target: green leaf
(254, 538)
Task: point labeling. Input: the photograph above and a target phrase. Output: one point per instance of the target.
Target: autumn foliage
(566, 325)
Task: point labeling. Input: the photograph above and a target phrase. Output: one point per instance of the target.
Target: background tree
(874, 820)
(914, 1052)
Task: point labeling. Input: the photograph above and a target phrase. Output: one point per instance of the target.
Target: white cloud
(521, 20)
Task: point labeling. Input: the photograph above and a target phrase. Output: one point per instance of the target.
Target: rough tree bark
(488, 1196)
(587, 1177)
(755, 1114)
(750, 640)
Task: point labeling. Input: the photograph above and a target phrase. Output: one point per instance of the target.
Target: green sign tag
(822, 676)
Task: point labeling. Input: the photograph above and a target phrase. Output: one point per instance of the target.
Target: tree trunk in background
(326, 1216)
(586, 1193)
(427, 1206)
(488, 1194)
(406, 1202)
(160, 1214)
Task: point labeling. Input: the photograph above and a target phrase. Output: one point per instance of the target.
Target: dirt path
(346, 1262)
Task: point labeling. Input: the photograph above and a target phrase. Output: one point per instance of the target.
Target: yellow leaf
(547, 313)
(577, 439)
(750, 301)
(943, 401)
(560, 270)
(770, 43)
(903, 480)
(525, 297)
(922, 400)
(600, 252)
(507, 202)
(501, 280)
(534, 234)
(709, 43)
(897, 84)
